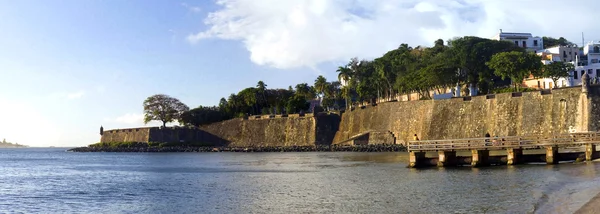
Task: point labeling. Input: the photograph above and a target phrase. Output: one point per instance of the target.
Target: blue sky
(69, 66)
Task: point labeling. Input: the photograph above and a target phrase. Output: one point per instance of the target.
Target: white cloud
(194, 9)
(305, 33)
(75, 95)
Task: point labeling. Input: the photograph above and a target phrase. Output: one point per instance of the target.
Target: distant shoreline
(321, 148)
(13, 146)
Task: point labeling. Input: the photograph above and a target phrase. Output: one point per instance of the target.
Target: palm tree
(321, 85)
(261, 86)
(344, 76)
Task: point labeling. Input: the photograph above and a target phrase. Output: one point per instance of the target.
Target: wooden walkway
(506, 142)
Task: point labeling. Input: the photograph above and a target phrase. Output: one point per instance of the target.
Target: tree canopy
(484, 63)
(515, 65)
(202, 115)
(552, 42)
(163, 108)
(557, 70)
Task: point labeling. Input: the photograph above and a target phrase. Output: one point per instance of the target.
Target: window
(594, 60)
(596, 49)
(597, 71)
(535, 43)
(538, 84)
(517, 43)
(565, 54)
(544, 84)
(589, 72)
(524, 44)
(582, 72)
(575, 75)
(549, 85)
(569, 52)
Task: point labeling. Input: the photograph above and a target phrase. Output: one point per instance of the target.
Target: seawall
(294, 130)
(508, 114)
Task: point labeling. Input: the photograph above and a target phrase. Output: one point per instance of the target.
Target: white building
(559, 54)
(525, 40)
(591, 53)
(586, 61)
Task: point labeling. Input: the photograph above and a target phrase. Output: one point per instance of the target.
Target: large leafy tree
(515, 65)
(163, 108)
(557, 70)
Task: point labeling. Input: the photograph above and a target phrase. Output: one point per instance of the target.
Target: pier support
(514, 156)
(479, 157)
(416, 159)
(590, 152)
(551, 155)
(446, 158)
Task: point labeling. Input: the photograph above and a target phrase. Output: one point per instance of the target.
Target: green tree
(557, 70)
(515, 65)
(296, 103)
(552, 42)
(163, 108)
(321, 86)
(345, 73)
(261, 87)
(202, 115)
(249, 97)
(306, 91)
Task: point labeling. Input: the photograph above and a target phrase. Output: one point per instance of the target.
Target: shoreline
(592, 206)
(322, 148)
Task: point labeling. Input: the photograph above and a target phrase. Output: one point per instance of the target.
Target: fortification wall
(126, 135)
(540, 112)
(268, 131)
(279, 131)
(508, 114)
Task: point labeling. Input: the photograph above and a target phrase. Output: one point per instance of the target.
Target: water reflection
(283, 183)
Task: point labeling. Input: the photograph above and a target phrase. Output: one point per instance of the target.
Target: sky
(68, 67)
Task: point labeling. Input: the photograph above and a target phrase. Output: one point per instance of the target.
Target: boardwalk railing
(497, 143)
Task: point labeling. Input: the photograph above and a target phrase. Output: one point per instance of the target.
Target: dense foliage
(515, 65)
(552, 42)
(489, 65)
(557, 70)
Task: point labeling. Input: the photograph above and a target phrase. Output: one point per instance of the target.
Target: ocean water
(50, 180)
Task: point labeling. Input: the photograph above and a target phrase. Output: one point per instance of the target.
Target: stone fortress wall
(286, 130)
(530, 113)
(509, 114)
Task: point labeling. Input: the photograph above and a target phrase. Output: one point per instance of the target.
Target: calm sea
(54, 181)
